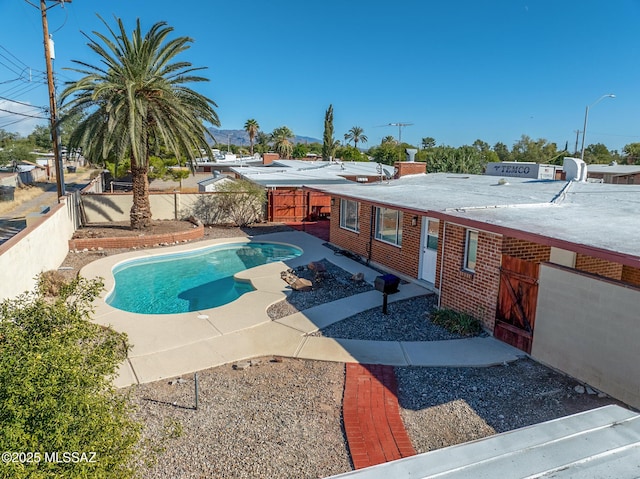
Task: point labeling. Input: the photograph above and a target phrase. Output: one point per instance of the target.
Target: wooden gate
(517, 298)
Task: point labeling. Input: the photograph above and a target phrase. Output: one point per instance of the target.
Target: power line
(24, 64)
(22, 103)
(23, 114)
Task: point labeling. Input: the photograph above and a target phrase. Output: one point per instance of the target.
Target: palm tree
(388, 139)
(136, 99)
(356, 134)
(252, 128)
(262, 141)
(281, 138)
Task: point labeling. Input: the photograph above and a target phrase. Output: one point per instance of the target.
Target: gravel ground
(272, 419)
(283, 418)
(446, 406)
(407, 320)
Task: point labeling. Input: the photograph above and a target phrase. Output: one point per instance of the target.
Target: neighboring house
(284, 180)
(488, 245)
(616, 174)
(213, 183)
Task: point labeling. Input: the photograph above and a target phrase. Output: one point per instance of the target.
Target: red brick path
(375, 431)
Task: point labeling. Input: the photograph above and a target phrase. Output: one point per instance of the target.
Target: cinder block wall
(587, 326)
(472, 293)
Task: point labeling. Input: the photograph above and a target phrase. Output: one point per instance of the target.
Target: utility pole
(53, 110)
(577, 135)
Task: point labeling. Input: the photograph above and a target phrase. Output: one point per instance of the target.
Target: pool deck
(171, 345)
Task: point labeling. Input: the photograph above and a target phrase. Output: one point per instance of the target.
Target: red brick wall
(136, 241)
(409, 168)
(473, 293)
(598, 266)
(631, 275)
(404, 259)
(526, 250)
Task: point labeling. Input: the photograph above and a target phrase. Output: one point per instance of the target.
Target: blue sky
(457, 70)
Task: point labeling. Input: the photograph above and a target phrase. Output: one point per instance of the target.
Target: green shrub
(456, 322)
(56, 389)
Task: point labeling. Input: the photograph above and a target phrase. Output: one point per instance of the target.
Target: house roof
(600, 219)
(614, 169)
(590, 445)
(299, 173)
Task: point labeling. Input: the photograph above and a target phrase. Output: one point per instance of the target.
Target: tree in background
(356, 134)
(252, 128)
(135, 97)
(281, 138)
(328, 144)
(388, 139)
(262, 142)
(40, 137)
(20, 151)
(599, 153)
(428, 142)
(465, 159)
(537, 151)
(300, 150)
(502, 151)
(631, 153)
(387, 152)
(56, 390)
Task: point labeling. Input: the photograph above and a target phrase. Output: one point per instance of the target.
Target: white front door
(429, 249)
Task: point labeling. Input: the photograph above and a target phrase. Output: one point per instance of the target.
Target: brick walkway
(375, 431)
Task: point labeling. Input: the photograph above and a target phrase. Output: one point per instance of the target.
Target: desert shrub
(456, 322)
(56, 387)
(237, 202)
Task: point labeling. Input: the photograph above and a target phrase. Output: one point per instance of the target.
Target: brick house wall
(598, 266)
(631, 275)
(403, 259)
(472, 293)
(525, 250)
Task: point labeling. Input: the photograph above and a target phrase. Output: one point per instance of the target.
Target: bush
(456, 322)
(56, 391)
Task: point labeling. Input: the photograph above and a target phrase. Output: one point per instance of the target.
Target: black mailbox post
(387, 284)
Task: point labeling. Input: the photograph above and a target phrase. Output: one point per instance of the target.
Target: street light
(586, 117)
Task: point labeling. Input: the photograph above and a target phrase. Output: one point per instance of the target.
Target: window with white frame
(389, 225)
(471, 250)
(350, 215)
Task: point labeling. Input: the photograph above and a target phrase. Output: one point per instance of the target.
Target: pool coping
(153, 334)
(167, 346)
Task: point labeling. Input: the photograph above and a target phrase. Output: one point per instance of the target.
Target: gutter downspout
(444, 238)
(371, 225)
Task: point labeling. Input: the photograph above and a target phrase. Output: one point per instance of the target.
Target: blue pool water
(192, 281)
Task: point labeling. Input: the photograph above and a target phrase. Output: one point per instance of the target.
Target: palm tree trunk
(140, 214)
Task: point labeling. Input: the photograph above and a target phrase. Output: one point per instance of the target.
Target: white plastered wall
(38, 248)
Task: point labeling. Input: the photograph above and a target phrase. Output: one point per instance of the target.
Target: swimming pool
(191, 281)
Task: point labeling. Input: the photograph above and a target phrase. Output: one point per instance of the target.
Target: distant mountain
(241, 138)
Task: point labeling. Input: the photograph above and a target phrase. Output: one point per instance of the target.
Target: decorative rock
(358, 277)
(590, 391)
(579, 389)
(242, 365)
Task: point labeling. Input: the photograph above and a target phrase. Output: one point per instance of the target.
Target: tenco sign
(521, 170)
